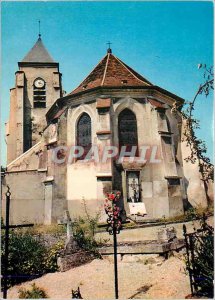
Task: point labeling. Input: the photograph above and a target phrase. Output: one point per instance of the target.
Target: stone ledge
(101, 132)
(152, 247)
(73, 260)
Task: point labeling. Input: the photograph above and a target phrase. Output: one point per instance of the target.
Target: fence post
(114, 222)
(115, 263)
(188, 257)
(7, 224)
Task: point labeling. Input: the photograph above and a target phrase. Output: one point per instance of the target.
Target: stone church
(114, 107)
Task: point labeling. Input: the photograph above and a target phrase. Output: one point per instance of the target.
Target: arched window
(127, 130)
(84, 135)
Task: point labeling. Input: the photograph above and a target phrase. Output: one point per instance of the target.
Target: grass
(45, 229)
(34, 293)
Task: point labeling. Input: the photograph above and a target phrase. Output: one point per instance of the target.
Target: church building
(60, 147)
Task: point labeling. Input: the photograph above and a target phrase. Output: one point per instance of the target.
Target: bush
(25, 258)
(50, 259)
(201, 262)
(54, 229)
(84, 235)
(191, 214)
(28, 257)
(84, 231)
(204, 264)
(33, 293)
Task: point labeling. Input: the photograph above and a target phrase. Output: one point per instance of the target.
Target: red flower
(111, 197)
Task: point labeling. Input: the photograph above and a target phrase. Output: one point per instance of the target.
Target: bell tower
(37, 86)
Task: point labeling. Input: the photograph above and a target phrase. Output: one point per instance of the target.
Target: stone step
(153, 247)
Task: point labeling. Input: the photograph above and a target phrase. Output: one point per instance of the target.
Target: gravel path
(165, 279)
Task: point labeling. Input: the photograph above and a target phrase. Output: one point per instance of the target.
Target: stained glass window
(127, 130)
(84, 133)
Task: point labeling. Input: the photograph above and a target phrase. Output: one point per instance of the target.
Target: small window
(39, 93)
(174, 181)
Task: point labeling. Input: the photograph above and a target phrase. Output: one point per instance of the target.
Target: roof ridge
(105, 71)
(129, 70)
(88, 74)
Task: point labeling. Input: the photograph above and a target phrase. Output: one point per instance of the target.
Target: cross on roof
(39, 29)
(109, 49)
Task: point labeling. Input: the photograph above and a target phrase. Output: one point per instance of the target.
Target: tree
(197, 146)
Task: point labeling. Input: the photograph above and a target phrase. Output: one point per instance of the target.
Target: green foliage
(34, 293)
(45, 229)
(197, 212)
(28, 257)
(90, 221)
(204, 262)
(84, 234)
(201, 260)
(50, 259)
(25, 257)
(84, 230)
(193, 213)
(197, 146)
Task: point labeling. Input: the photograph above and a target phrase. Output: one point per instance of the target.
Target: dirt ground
(137, 280)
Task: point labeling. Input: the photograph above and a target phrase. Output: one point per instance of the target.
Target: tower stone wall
(26, 122)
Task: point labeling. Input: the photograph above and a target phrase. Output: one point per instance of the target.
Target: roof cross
(109, 49)
(39, 29)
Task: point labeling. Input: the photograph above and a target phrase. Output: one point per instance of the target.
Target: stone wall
(27, 197)
(83, 179)
(192, 180)
(26, 122)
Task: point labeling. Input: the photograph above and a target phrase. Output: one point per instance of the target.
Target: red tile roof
(111, 71)
(156, 103)
(103, 103)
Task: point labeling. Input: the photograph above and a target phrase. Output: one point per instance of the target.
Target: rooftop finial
(39, 35)
(109, 48)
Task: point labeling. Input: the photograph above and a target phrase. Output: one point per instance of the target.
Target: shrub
(34, 293)
(84, 230)
(25, 257)
(28, 257)
(50, 259)
(54, 229)
(84, 235)
(191, 214)
(201, 262)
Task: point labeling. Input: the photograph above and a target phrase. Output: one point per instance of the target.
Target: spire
(38, 53)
